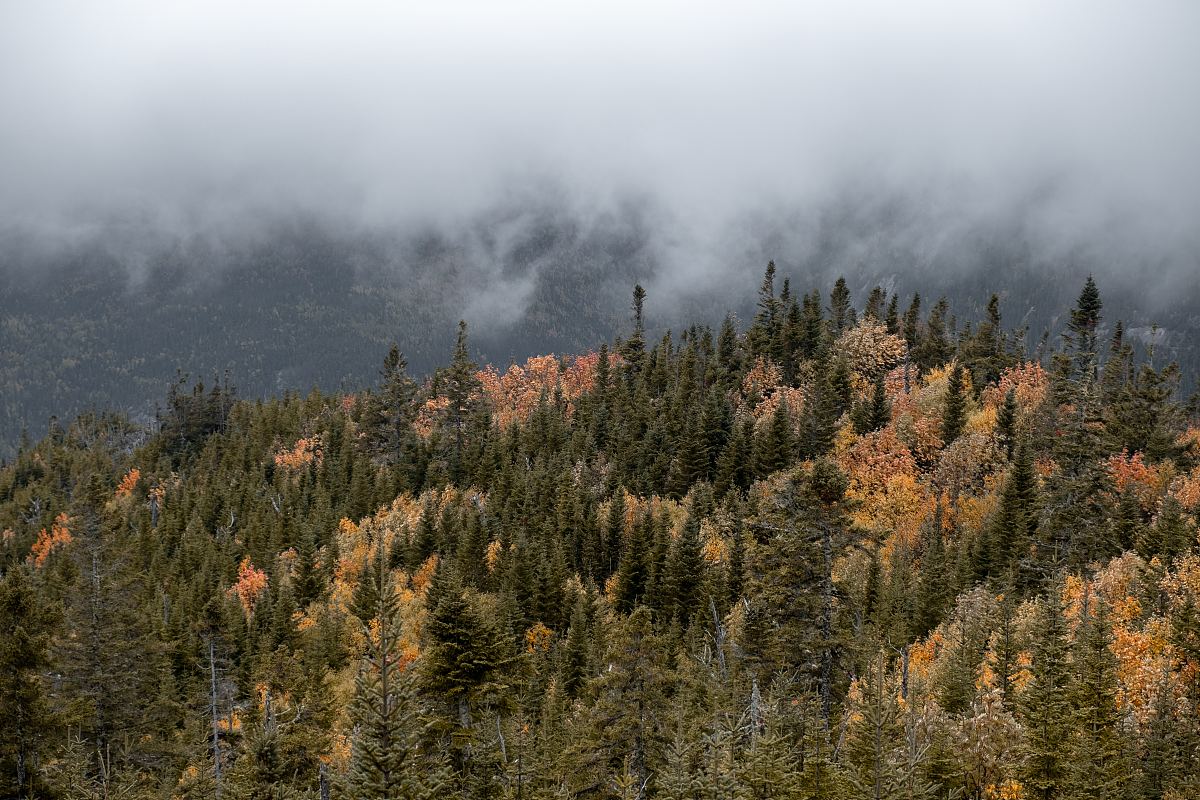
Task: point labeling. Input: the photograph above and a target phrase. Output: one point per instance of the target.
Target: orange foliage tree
(249, 586)
(1030, 382)
(306, 450)
(514, 395)
(885, 488)
(129, 482)
(1131, 473)
(57, 538)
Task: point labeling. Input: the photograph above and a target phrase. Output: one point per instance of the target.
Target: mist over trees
(101, 325)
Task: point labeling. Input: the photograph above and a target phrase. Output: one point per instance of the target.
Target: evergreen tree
(767, 326)
(892, 318)
(395, 409)
(464, 657)
(633, 573)
(685, 573)
(32, 721)
(840, 312)
(460, 387)
(773, 450)
(1097, 757)
(1006, 423)
(388, 758)
(634, 348)
(1014, 525)
(954, 407)
(873, 413)
(1045, 705)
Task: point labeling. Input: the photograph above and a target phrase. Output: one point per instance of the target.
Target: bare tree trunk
(827, 625)
(216, 728)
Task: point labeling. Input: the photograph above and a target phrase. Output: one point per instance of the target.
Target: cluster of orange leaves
(514, 395)
(249, 586)
(1186, 490)
(1131, 473)
(636, 506)
(917, 414)
(885, 488)
(763, 390)
(538, 638)
(761, 380)
(491, 556)
(1008, 790)
(966, 463)
(57, 538)
(713, 549)
(129, 482)
(428, 415)
(306, 451)
(791, 397)
(1031, 382)
(1141, 644)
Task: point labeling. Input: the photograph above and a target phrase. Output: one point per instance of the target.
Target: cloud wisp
(1073, 123)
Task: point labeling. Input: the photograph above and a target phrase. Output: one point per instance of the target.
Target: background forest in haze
(103, 323)
(851, 549)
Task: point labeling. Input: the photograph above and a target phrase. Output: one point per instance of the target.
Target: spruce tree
(388, 758)
(685, 573)
(1006, 423)
(873, 413)
(1045, 707)
(840, 313)
(773, 450)
(31, 720)
(1014, 525)
(634, 348)
(954, 407)
(1098, 767)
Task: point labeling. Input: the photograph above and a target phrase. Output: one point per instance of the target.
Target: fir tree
(387, 758)
(26, 738)
(685, 573)
(773, 450)
(840, 313)
(873, 413)
(1097, 757)
(1045, 705)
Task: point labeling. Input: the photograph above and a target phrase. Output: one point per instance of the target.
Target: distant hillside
(95, 325)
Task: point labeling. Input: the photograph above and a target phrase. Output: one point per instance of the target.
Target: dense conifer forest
(853, 547)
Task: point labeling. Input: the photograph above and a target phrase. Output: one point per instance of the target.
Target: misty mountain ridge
(106, 318)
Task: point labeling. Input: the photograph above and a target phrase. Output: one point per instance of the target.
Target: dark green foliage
(1045, 705)
(773, 450)
(1012, 530)
(954, 407)
(388, 758)
(25, 703)
(873, 413)
(654, 587)
(1098, 756)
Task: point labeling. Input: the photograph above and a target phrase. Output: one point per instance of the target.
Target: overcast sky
(1085, 114)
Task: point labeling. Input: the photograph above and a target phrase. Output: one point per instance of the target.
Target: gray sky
(1081, 120)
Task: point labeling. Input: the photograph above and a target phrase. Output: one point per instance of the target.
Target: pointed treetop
(639, 297)
(1086, 315)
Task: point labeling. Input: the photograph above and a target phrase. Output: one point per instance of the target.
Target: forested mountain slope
(851, 551)
(105, 324)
